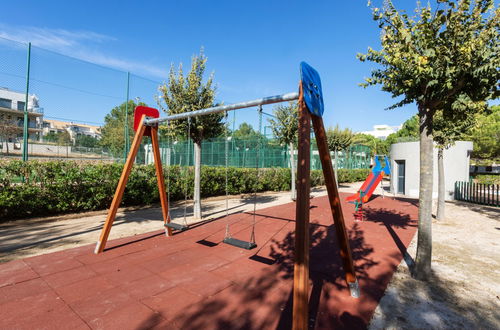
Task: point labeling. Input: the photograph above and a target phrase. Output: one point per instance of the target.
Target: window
(20, 105)
(5, 103)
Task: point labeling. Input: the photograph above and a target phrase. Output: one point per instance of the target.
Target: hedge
(57, 187)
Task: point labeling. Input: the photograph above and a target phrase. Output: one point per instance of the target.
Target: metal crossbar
(225, 108)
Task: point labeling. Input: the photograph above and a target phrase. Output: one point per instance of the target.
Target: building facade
(405, 166)
(75, 130)
(12, 104)
(382, 131)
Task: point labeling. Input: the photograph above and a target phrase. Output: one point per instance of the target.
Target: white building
(74, 129)
(382, 131)
(12, 105)
(405, 168)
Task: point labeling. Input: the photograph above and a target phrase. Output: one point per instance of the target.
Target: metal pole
(126, 119)
(224, 108)
(25, 126)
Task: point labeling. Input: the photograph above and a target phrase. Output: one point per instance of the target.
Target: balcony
(31, 111)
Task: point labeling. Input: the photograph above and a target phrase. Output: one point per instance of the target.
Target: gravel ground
(463, 292)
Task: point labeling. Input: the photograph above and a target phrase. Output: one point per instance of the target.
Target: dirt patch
(463, 291)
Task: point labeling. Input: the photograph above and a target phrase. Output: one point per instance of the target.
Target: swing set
(311, 108)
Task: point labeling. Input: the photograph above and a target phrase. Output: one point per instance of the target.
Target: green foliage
(113, 131)
(339, 139)
(246, 136)
(487, 179)
(444, 59)
(285, 125)
(189, 93)
(63, 186)
(86, 141)
(408, 132)
(376, 145)
(486, 134)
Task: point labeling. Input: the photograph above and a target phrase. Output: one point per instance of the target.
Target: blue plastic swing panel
(311, 87)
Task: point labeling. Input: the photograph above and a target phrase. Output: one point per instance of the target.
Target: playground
(191, 280)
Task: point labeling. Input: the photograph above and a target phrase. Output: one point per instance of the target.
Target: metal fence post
(25, 126)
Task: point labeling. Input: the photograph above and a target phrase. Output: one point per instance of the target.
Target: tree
(112, 133)
(450, 126)
(485, 134)
(189, 93)
(285, 127)
(63, 138)
(376, 145)
(338, 140)
(86, 141)
(444, 59)
(8, 130)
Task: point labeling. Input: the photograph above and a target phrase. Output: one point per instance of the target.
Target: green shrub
(56, 187)
(487, 178)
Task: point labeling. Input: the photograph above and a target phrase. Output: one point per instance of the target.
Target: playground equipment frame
(302, 244)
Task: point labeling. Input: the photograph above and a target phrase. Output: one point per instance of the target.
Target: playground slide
(371, 183)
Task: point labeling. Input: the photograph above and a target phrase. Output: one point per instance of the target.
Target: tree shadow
(491, 212)
(433, 304)
(253, 302)
(391, 219)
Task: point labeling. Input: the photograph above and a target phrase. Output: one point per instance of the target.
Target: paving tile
(101, 304)
(14, 272)
(127, 274)
(43, 311)
(69, 276)
(81, 290)
(22, 290)
(133, 316)
(147, 286)
(207, 285)
(171, 303)
(45, 265)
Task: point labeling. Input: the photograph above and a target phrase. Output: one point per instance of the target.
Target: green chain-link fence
(243, 153)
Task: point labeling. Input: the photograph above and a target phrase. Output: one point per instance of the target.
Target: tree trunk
(292, 168)
(197, 179)
(441, 186)
(422, 270)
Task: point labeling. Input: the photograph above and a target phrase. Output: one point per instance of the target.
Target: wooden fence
(485, 194)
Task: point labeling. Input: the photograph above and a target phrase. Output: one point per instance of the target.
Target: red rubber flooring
(193, 281)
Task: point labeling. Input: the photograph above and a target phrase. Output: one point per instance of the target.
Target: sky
(253, 47)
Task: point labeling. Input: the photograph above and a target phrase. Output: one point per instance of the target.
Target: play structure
(372, 181)
(310, 101)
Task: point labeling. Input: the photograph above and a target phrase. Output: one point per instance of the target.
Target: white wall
(456, 167)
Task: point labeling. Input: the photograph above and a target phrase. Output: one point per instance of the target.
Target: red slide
(363, 187)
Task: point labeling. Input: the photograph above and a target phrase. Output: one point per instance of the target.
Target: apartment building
(74, 129)
(12, 104)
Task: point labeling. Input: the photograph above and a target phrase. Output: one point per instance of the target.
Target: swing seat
(239, 243)
(176, 226)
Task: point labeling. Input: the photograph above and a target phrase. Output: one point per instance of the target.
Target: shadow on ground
(264, 299)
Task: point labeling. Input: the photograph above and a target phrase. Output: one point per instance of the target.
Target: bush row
(57, 187)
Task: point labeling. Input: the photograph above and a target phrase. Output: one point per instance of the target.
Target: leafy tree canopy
(189, 93)
(485, 134)
(339, 139)
(113, 131)
(285, 125)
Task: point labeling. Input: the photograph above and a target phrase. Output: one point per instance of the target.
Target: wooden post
(160, 179)
(301, 269)
(120, 188)
(333, 197)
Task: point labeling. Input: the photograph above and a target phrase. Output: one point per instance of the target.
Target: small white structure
(382, 131)
(405, 166)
